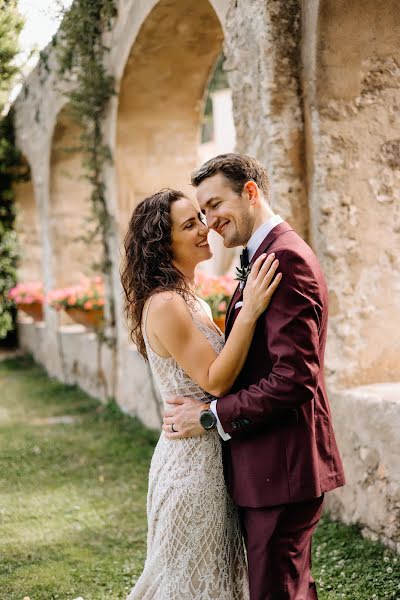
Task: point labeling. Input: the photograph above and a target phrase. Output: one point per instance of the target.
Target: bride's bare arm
(172, 324)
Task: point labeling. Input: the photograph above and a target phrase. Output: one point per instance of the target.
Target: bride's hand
(260, 286)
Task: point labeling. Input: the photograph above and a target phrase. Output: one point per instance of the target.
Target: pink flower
(28, 293)
(87, 291)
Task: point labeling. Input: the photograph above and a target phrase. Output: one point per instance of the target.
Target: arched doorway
(161, 100)
(158, 133)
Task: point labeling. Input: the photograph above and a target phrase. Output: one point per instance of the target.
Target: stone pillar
(50, 352)
(262, 46)
(351, 60)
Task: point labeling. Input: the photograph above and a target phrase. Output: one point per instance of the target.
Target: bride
(194, 543)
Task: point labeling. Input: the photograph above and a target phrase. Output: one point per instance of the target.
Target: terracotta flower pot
(34, 310)
(93, 319)
(220, 322)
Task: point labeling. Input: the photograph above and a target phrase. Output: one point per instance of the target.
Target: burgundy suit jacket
(283, 448)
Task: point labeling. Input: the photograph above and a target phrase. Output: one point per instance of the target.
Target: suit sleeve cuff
(213, 408)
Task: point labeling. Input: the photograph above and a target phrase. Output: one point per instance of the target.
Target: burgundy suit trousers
(278, 542)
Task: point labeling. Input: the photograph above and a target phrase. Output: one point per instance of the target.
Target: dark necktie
(244, 258)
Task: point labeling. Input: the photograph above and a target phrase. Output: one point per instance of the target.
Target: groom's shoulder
(292, 244)
(292, 250)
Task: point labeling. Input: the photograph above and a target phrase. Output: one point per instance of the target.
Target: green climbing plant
(81, 50)
(11, 165)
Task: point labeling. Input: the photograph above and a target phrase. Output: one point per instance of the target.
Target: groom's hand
(184, 415)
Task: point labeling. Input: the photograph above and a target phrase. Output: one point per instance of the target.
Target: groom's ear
(253, 193)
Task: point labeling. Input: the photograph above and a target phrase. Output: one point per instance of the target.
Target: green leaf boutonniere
(242, 274)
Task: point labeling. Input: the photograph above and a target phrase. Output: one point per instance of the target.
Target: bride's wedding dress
(194, 544)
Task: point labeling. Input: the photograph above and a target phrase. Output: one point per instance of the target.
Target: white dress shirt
(252, 246)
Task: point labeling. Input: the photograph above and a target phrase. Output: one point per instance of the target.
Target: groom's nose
(211, 221)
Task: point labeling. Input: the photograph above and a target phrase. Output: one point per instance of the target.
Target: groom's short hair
(237, 169)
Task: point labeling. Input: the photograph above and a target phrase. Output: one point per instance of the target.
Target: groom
(280, 454)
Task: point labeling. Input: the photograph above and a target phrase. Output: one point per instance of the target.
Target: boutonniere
(242, 274)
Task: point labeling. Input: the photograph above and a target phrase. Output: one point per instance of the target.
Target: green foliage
(8, 258)
(347, 566)
(11, 169)
(11, 24)
(81, 50)
(219, 81)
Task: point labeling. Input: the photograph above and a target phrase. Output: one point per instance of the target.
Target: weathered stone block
(367, 425)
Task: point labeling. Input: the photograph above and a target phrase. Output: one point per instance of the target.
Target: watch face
(207, 419)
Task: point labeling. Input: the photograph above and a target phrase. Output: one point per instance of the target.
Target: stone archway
(158, 132)
(69, 207)
(161, 99)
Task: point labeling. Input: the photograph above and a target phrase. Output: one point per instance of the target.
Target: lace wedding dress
(194, 544)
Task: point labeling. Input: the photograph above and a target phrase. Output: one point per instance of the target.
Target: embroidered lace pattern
(194, 543)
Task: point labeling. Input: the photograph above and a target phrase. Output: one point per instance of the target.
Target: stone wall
(353, 151)
(29, 235)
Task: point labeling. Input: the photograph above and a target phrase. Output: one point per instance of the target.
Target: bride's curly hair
(147, 266)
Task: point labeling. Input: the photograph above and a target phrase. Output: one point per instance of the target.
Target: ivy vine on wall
(81, 49)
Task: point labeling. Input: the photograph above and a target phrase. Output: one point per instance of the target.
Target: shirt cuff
(224, 436)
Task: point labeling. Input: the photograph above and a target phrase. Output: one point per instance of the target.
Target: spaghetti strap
(145, 317)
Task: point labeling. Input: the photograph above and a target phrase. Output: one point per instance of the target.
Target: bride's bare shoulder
(168, 303)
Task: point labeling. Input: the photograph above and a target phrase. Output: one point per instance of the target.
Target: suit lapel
(268, 240)
(234, 299)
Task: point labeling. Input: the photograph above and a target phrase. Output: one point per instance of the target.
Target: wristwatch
(207, 419)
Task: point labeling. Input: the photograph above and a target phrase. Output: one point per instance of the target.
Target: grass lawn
(73, 493)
